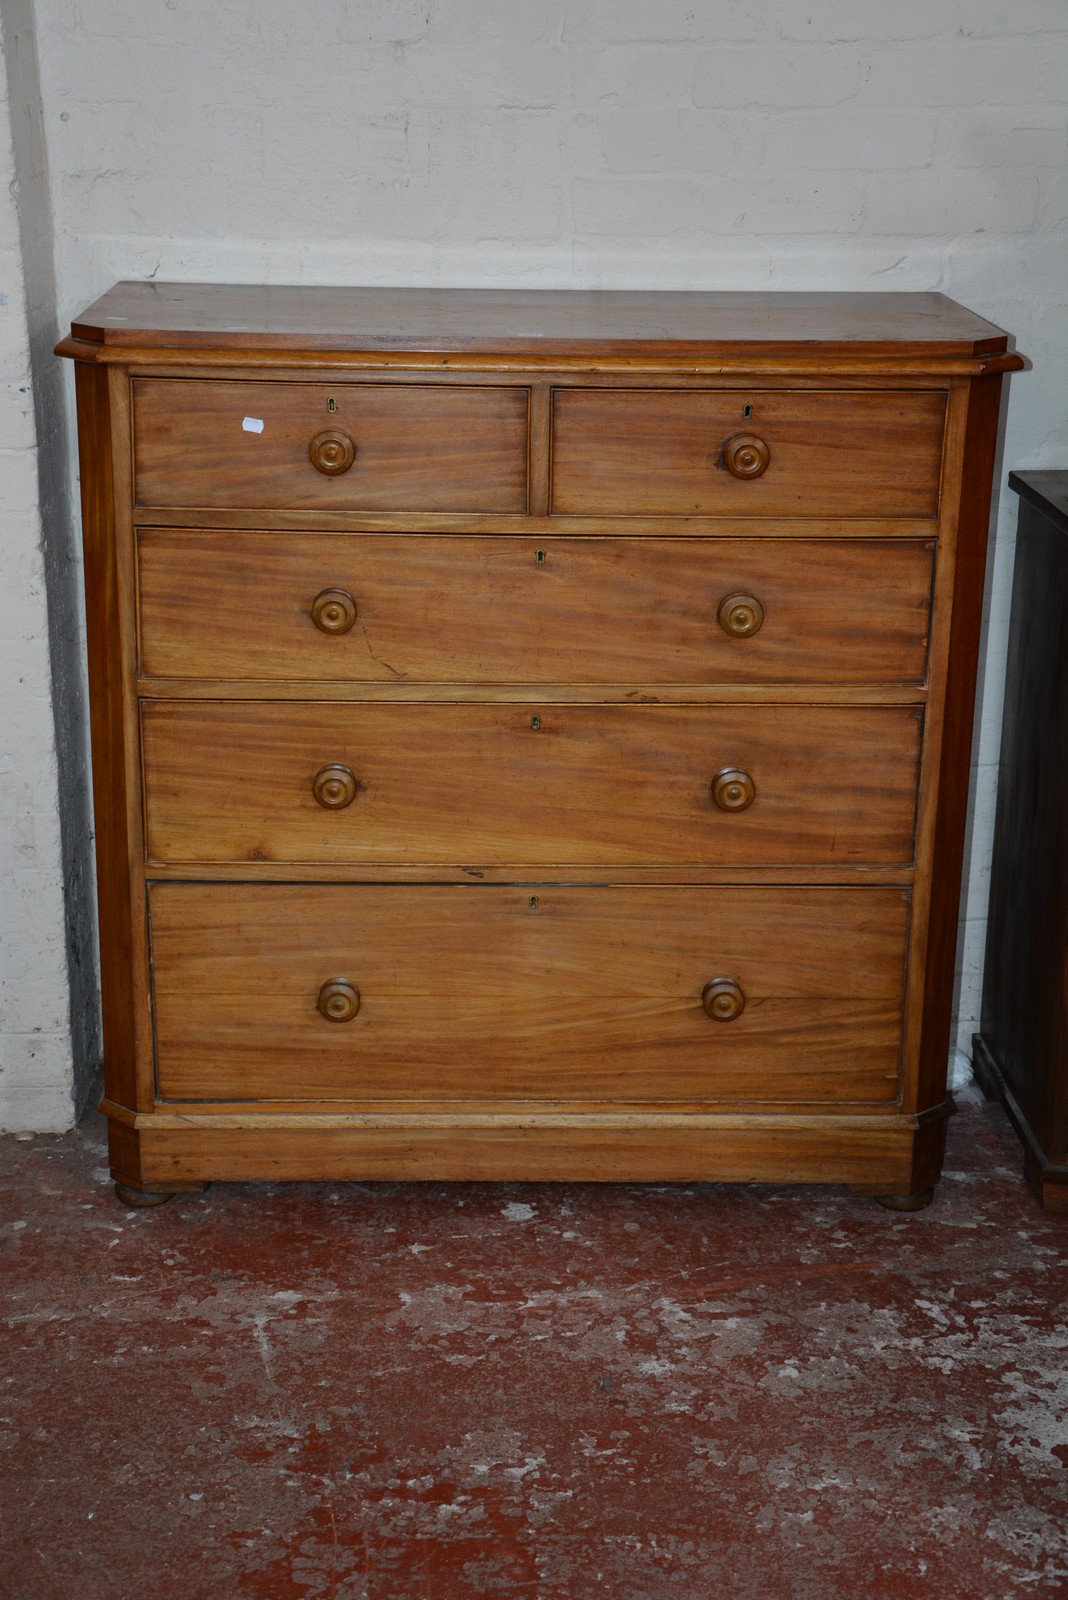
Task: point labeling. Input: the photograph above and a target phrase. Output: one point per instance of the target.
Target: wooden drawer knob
(333, 611)
(339, 1000)
(745, 456)
(723, 999)
(740, 615)
(334, 787)
(332, 452)
(733, 789)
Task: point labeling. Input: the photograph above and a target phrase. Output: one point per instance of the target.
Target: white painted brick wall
(843, 144)
(35, 1044)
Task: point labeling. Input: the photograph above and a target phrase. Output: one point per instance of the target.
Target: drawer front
(663, 452)
(452, 609)
(414, 447)
(569, 785)
(482, 993)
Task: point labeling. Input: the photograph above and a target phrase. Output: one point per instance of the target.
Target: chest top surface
(539, 323)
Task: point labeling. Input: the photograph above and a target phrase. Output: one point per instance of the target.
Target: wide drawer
(670, 452)
(399, 447)
(538, 785)
(457, 609)
(576, 994)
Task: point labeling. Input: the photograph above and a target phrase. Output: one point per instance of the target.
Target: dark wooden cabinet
(531, 731)
(1021, 1054)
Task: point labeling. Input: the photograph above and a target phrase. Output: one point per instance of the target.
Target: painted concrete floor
(522, 1392)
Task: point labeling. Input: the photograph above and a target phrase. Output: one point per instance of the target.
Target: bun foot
(139, 1199)
(906, 1202)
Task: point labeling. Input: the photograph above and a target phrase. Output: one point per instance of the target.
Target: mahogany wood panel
(947, 792)
(329, 522)
(423, 447)
(661, 452)
(687, 873)
(876, 1153)
(556, 611)
(583, 994)
(399, 693)
(818, 326)
(116, 800)
(611, 785)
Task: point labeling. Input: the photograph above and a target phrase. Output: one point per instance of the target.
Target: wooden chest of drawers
(531, 731)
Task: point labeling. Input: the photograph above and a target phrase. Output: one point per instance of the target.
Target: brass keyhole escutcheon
(339, 1000)
(746, 456)
(740, 615)
(334, 786)
(723, 999)
(333, 611)
(733, 789)
(332, 452)
(535, 722)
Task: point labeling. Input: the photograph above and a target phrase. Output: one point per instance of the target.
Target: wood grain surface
(947, 789)
(288, 317)
(878, 1153)
(586, 994)
(608, 785)
(110, 648)
(660, 452)
(558, 611)
(423, 447)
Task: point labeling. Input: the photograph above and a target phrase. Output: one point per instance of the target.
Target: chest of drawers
(531, 731)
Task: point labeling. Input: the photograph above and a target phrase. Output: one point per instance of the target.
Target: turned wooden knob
(332, 452)
(723, 999)
(740, 615)
(333, 611)
(339, 1000)
(733, 789)
(334, 786)
(745, 456)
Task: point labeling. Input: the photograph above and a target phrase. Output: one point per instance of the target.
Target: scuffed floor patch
(523, 1392)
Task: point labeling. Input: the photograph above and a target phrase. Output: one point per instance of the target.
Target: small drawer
(340, 447)
(679, 452)
(548, 785)
(372, 608)
(268, 992)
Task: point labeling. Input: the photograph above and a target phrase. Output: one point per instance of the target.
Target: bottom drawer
(487, 992)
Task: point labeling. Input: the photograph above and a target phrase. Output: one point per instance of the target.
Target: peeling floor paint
(521, 1392)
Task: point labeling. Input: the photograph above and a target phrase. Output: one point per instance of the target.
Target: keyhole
(331, 405)
(533, 902)
(539, 556)
(747, 412)
(535, 722)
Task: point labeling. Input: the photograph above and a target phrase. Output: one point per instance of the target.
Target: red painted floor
(560, 1392)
